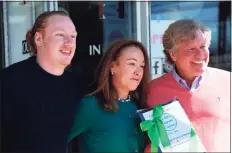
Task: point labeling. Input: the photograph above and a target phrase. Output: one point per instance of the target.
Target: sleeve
(8, 111)
(83, 119)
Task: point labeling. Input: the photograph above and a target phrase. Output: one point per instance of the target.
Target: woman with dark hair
(107, 117)
(39, 96)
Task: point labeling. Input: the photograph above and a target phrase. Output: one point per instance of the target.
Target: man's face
(58, 41)
(192, 57)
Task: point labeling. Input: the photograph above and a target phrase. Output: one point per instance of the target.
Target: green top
(107, 131)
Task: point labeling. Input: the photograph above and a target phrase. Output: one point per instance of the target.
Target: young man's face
(58, 41)
(192, 58)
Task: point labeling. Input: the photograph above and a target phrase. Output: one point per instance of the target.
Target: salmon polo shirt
(207, 106)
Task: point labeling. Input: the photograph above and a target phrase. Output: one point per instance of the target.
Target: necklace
(123, 100)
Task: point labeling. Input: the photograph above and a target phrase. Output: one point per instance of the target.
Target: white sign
(158, 28)
(93, 49)
(159, 66)
(156, 67)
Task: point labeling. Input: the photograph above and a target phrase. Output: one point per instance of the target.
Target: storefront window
(19, 17)
(117, 21)
(2, 54)
(98, 24)
(39, 8)
(19, 21)
(164, 13)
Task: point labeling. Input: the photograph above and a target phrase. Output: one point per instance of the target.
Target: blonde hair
(181, 31)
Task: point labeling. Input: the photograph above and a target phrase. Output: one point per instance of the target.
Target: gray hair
(181, 31)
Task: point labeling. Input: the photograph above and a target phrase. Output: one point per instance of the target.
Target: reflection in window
(117, 21)
(19, 22)
(224, 61)
(228, 32)
(39, 8)
(164, 13)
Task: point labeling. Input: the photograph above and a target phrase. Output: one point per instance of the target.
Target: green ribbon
(192, 133)
(156, 130)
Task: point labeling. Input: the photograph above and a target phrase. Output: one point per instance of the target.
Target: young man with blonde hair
(39, 96)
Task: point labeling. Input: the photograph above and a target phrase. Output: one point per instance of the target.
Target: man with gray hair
(203, 92)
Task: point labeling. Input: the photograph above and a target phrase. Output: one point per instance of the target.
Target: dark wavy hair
(105, 89)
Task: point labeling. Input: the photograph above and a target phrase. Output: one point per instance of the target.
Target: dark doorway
(85, 16)
(90, 39)
(98, 24)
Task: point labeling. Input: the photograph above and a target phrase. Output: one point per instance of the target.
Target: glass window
(117, 21)
(20, 15)
(2, 54)
(39, 8)
(227, 55)
(19, 21)
(164, 13)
